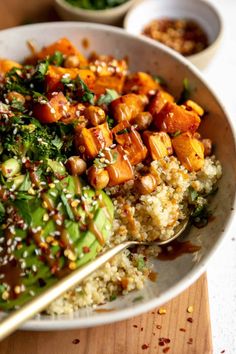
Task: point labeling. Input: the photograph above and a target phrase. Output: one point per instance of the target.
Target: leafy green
(56, 59)
(2, 212)
(24, 210)
(138, 298)
(41, 70)
(200, 216)
(140, 262)
(193, 195)
(108, 97)
(160, 80)
(110, 122)
(24, 187)
(186, 92)
(77, 87)
(96, 4)
(123, 131)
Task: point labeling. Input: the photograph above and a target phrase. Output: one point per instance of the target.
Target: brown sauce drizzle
(177, 249)
(99, 236)
(11, 272)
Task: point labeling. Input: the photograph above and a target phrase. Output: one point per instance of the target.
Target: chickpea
(146, 184)
(95, 115)
(142, 120)
(13, 95)
(72, 61)
(207, 147)
(98, 177)
(76, 166)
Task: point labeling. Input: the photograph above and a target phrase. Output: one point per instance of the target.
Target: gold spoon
(13, 321)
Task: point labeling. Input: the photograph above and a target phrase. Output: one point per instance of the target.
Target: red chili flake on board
(166, 349)
(161, 344)
(135, 326)
(166, 340)
(76, 341)
(145, 346)
(141, 329)
(190, 341)
(222, 352)
(158, 326)
(190, 319)
(182, 329)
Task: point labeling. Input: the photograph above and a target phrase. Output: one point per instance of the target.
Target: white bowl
(144, 54)
(201, 11)
(111, 16)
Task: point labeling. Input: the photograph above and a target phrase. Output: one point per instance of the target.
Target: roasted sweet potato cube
(158, 101)
(64, 46)
(120, 170)
(173, 118)
(52, 110)
(158, 144)
(131, 142)
(128, 106)
(90, 141)
(6, 65)
(55, 74)
(140, 83)
(108, 82)
(189, 150)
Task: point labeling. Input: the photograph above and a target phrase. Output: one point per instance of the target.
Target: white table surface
(221, 74)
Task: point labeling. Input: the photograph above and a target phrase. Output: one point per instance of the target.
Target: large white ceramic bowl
(173, 276)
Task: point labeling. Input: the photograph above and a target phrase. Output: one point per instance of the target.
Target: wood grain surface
(176, 332)
(143, 334)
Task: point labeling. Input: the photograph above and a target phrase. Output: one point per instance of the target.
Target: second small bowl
(109, 16)
(202, 12)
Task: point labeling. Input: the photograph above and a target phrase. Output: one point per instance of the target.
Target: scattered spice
(190, 319)
(76, 341)
(158, 326)
(222, 352)
(190, 309)
(141, 329)
(145, 346)
(135, 326)
(166, 349)
(182, 329)
(184, 35)
(190, 341)
(161, 311)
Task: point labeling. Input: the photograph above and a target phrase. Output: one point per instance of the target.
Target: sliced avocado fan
(52, 233)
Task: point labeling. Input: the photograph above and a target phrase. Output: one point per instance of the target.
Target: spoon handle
(38, 303)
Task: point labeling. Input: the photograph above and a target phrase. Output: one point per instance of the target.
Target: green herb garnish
(108, 97)
(186, 92)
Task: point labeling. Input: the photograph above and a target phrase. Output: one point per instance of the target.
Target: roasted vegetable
(63, 46)
(140, 83)
(189, 151)
(131, 141)
(158, 144)
(52, 109)
(128, 106)
(6, 65)
(158, 101)
(90, 141)
(120, 169)
(173, 118)
(57, 77)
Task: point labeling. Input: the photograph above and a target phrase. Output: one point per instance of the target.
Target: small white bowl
(204, 13)
(110, 16)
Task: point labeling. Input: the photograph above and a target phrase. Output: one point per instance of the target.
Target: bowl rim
(80, 11)
(109, 317)
(210, 5)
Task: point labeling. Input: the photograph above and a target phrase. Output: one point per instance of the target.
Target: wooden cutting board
(177, 331)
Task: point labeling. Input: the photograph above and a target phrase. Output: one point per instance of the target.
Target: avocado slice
(40, 244)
